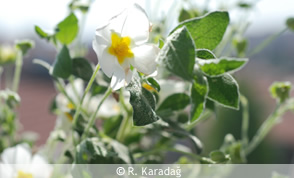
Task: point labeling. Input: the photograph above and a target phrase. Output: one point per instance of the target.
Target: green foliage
(62, 66)
(24, 46)
(217, 67)
(143, 103)
(68, 29)
(224, 90)
(95, 151)
(199, 92)
(178, 54)
(205, 54)
(41, 33)
(290, 23)
(154, 83)
(174, 102)
(11, 98)
(218, 157)
(187, 14)
(207, 31)
(82, 68)
(280, 91)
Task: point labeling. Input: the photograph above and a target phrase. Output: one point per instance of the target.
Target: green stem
(78, 111)
(245, 120)
(267, 125)
(266, 42)
(121, 131)
(206, 114)
(17, 71)
(93, 118)
(1, 71)
(122, 128)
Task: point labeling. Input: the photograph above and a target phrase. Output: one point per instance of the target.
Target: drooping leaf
(41, 33)
(143, 103)
(178, 54)
(224, 90)
(175, 102)
(62, 66)
(217, 67)
(207, 31)
(68, 29)
(82, 68)
(199, 92)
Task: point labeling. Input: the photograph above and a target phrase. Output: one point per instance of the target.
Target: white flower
(18, 162)
(122, 43)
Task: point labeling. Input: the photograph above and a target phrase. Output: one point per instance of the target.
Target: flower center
(120, 47)
(21, 174)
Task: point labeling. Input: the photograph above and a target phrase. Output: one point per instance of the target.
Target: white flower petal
(144, 59)
(20, 154)
(136, 25)
(129, 75)
(118, 78)
(107, 61)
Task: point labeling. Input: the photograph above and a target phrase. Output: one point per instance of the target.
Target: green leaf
(68, 29)
(217, 67)
(94, 151)
(41, 33)
(143, 103)
(224, 90)
(280, 91)
(205, 54)
(24, 46)
(160, 43)
(154, 83)
(218, 156)
(175, 102)
(207, 31)
(62, 66)
(82, 68)
(199, 92)
(178, 54)
(97, 89)
(290, 23)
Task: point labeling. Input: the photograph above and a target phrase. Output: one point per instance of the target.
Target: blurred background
(265, 20)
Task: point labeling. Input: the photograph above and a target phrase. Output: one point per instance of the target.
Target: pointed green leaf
(175, 102)
(82, 68)
(154, 83)
(68, 29)
(143, 103)
(218, 157)
(224, 90)
(62, 66)
(217, 67)
(199, 92)
(41, 33)
(178, 54)
(207, 31)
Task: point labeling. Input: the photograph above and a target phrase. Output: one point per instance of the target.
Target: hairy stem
(17, 72)
(245, 120)
(93, 118)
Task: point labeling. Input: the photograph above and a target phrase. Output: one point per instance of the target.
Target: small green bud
(240, 44)
(11, 98)
(24, 46)
(7, 54)
(280, 91)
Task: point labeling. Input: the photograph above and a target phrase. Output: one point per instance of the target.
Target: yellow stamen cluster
(21, 174)
(120, 47)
